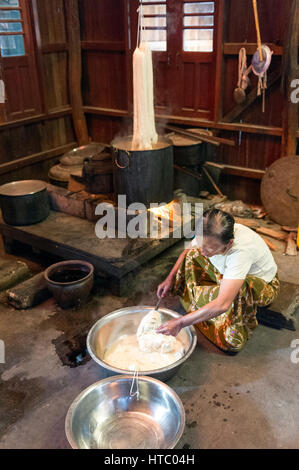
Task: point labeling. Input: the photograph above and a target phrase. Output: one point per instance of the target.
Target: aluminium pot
(24, 202)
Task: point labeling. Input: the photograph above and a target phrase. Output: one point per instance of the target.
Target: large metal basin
(107, 416)
(125, 321)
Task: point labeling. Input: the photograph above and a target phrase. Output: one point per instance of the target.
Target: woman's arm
(229, 288)
(165, 287)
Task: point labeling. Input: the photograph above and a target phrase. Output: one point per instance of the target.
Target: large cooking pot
(24, 202)
(187, 151)
(144, 176)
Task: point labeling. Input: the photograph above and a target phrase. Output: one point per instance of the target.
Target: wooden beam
(55, 47)
(250, 128)
(219, 65)
(75, 70)
(37, 118)
(37, 38)
(238, 170)
(105, 111)
(116, 46)
(35, 158)
(251, 98)
(233, 48)
(194, 122)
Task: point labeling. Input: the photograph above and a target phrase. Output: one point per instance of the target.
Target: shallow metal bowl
(125, 321)
(106, 416)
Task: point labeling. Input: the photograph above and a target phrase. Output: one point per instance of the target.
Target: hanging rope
(258, 32)
(243, 71)
(262, 58)
(243, 80)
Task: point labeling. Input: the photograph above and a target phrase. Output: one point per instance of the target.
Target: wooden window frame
(28, 60)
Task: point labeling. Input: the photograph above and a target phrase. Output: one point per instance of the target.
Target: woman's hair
(219, 224)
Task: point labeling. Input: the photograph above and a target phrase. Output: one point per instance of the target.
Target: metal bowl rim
(85, 392)
(110, 316)
(41, 186)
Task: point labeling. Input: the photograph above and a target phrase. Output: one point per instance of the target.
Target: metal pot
(24, 202)
(144, 176)
(125, 321)
(98, 174)
(188, 152)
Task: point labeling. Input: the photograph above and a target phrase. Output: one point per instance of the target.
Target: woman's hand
(171, 328)
(165, 287)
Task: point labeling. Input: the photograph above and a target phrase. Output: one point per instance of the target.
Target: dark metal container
(144, 176)
(98, 174)
(24, 202)
(189, 152)
(187, 183)
(70, 282)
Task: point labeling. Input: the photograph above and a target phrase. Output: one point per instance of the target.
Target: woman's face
(212, 246)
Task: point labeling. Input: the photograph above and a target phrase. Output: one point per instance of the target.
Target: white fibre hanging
(144, 47)
(144, 134)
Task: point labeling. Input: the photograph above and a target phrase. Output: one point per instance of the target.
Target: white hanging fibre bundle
(144, 135)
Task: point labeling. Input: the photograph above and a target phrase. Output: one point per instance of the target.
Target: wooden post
(290, 73)
(220, 62)
(75, 70)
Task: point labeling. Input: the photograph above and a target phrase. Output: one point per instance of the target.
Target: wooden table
(71, 237)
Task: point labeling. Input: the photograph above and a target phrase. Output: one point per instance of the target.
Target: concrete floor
(249, 400)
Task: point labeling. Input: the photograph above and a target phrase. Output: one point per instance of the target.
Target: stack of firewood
(286, 234)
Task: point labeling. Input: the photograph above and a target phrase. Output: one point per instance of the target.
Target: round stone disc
(280, 191)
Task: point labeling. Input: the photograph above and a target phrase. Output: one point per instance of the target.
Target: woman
(222, 283)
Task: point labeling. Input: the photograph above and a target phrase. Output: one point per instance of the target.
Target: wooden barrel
(144, 176)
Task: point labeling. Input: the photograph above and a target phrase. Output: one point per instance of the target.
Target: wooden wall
(31, 142)
(108, 33)
(34, 135)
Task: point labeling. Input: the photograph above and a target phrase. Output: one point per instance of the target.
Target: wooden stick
(289, 229)
(212, 181)
(187, 172)
(271, 233)
(205, 138)
(270, 244)
(251, 223)
(291, 247)
(258, 33)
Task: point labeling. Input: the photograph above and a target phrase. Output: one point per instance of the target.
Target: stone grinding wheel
(280, 191)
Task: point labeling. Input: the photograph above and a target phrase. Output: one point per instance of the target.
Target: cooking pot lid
(22, 188)
(182, 141)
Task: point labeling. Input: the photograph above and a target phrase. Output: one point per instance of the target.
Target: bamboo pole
(258, 32)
